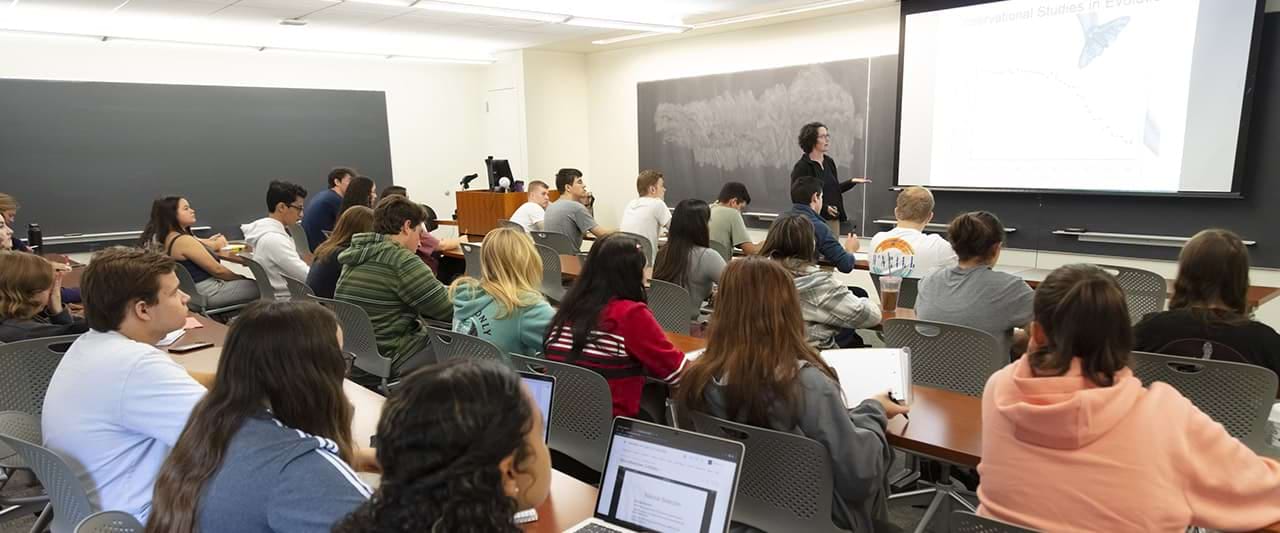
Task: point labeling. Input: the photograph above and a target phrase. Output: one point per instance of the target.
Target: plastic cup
(889, 287)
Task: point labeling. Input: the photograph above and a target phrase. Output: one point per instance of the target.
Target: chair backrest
(552, 286)
(1204, 349)
(300, 239)
(947, 356)
(1144, 291)
(671, 305)
(559, 242)
(110, 522)
(1237, 395)
(906, 293)
(298, 289)
(26, 367)
(966, 522)
(358, 336)
(451, 344)
(260, 277)
(198, 302)
(647, 248)
(786, 482)
(723, 249)
(471, 253)
(582, 415)
(67, 496)
(505, 223)
(18, 425)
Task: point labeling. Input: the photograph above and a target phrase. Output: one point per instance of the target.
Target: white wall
(434, 111)
(556, 96)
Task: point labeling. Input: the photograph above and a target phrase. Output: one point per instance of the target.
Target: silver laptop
(664, 479)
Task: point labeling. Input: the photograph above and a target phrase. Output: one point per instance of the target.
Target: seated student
(395, 190)
(9, 212)
(647, 215)
(1210, 302)
(322, 211)
(169, 230)
(568, 215)
(806, 200)
(971, 293)
(273, 248)
(325, 268)
(532, 212)
(773, 378)
(686, 258)
(1072, 441)
(504, 306)
(31, 299)
(269, 448)
(461, 449)
(431, 250)
(906, 251)
(726, 223)
(362, 191)
(116, 403)
(603, 324)
(831, 311)
(381, 274)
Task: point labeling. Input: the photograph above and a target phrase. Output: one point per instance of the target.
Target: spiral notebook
(866, 372)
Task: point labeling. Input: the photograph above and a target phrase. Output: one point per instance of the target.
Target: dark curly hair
(809, 135)
(440, 439)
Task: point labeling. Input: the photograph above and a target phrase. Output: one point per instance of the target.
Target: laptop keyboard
(597, 528)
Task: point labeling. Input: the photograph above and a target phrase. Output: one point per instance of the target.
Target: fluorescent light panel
(735, 20)
(626, 25)
(470, 9)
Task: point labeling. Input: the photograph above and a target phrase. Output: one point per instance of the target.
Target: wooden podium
(479, 211)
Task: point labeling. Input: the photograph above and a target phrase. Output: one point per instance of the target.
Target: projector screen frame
(1238, 179)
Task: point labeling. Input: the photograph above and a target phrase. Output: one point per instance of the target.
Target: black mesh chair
(786, 482)
(110, 522)
(552, 282)
(907, 293)
(559, 242)
(67, 498)
(504, 223)
(1239, 396)
(359, 339)
(298, 289)
(471, 254)
(453, 345)
(1204, 349)
(26, 368)
(671, 306)
(300, 239)
(647, 247)
(23, 426)
(947, 356)
(582, 414)
(967, 522)
(198, 302)
(1145, 292)
(265, 291)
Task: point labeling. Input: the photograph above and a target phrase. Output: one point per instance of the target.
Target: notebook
(866, 372)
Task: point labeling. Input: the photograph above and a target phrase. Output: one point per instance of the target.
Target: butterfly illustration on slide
(1097, 37)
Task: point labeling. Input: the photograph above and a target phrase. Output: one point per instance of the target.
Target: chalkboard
(89, 157)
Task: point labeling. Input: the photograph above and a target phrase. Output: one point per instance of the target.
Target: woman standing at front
(816, 141)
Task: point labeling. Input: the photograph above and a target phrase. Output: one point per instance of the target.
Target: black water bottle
(35, 238)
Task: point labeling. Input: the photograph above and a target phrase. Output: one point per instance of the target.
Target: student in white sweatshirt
(273, 248)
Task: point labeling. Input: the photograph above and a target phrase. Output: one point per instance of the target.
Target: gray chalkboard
(90, 157)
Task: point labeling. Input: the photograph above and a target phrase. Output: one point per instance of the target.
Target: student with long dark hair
(603, 324)
(31, 299)
(461, 450)
(687, 259)
(269, 447)
(772, 377)
(361, 191)
(1210, 302)
(169, 231)
(1107, 453)
(830, 310)
(325, 268)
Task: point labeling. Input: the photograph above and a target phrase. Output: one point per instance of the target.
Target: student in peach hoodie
(1071, 441)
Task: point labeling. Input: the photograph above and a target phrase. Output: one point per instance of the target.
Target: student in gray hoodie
(273, 248)
(504, 306)
(773, 378)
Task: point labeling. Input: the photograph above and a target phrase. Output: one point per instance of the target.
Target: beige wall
(555, 86)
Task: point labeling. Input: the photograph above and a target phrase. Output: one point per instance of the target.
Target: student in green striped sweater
(381, 274)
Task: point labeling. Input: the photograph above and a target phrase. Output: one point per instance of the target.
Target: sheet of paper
(172, 337)
(866, 372)
(192, 323)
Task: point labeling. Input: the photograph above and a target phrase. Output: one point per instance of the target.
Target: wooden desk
(1256, 296)
(570, 265)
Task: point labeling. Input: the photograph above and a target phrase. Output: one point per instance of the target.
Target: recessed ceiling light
(734, 20)
(293, 22)
(470, 9)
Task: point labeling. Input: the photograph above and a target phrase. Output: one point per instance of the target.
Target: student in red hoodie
(603, 324)
(1071, 441)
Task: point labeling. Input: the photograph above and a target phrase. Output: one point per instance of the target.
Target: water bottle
(35, 238)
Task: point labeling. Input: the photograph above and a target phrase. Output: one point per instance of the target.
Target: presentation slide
(661, 504)
(1093, 95)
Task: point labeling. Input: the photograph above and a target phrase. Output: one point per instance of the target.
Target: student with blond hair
(31, 299)
(906, 251)
(504, 306)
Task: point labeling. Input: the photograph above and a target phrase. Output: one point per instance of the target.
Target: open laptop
(543, 388)
(659, 478)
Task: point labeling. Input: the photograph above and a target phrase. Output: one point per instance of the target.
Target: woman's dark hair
(614, 269)
(792, 242)
(163, 221)
(1082, 311)
(440, 439)
(282, 356)
(974, 235)
(1213, 272)
(809, 135)
(359, 192)
(688, 230)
